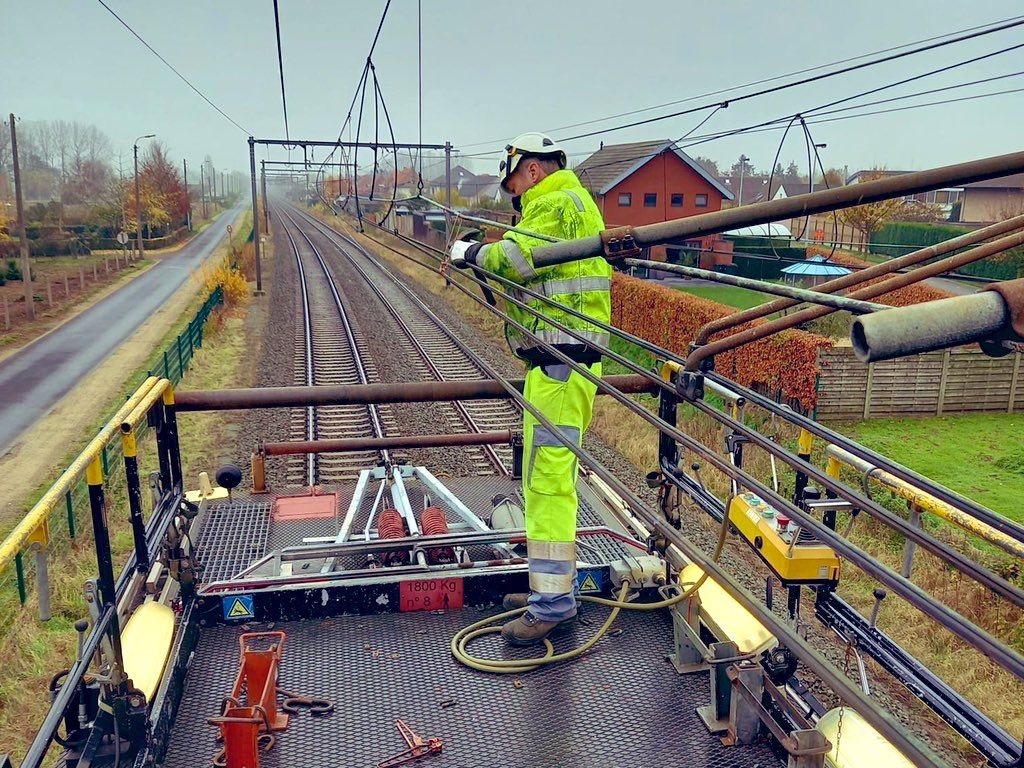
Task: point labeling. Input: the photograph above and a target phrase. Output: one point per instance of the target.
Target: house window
(701, 201)
(677, 199)
(625, 199)
(650, 199)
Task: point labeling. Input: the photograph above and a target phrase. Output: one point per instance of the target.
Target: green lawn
(741, 298)
(980, 456)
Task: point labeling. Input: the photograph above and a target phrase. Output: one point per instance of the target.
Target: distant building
(650, 181)
(946, 198)
(993, 200)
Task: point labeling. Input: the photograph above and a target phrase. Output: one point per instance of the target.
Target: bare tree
(869, 218)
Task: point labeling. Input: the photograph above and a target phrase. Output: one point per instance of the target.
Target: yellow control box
(794, 557)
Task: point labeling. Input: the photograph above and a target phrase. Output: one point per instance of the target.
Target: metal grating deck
(234, 535)
(622, 705)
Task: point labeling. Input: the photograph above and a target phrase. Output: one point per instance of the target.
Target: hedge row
(785, 364)
(912, 294)
(899, 237)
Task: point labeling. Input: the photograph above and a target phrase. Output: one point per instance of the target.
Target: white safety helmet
(530, 144)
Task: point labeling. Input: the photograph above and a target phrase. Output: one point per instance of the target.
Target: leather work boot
(515, 600)
(529, 630)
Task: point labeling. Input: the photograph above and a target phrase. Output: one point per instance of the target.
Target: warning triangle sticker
(239, 610)
(589, 584)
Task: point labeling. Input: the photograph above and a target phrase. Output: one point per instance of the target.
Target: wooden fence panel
(962, 380)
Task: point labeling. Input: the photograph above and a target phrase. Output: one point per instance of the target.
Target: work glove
(463, 253)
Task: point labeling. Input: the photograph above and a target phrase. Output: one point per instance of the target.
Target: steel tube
(376, 443)
(929, 326)
(364, 394)
(799, 205)
(360, 144)
(789, 291)
(926, 501)
(694, 359)
(862, 275)
(1000, 523)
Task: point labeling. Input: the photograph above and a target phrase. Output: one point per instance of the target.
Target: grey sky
(492, 70)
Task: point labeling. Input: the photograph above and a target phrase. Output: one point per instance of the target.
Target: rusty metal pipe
(376, 443)
(860, 276)
(851, 195)
(363, 394)
(694, 359)
(795, 294)
(929, 326)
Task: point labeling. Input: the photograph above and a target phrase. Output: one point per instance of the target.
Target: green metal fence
(172, 364)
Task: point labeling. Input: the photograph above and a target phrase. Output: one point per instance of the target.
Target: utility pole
(138, 205)
(202, 187)
(188, 197)
(255, 216)
(26, 264)
(266, 203)
(743, 166)
(447, 187)
(222, 192)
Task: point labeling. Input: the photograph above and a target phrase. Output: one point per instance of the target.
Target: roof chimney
(602, 144)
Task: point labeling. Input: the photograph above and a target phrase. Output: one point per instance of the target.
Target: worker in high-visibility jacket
(554, 203)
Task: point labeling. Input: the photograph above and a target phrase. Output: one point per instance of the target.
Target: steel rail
(919, 754)
(1005, 525)
(349, 337)
(460, 408)
(790, 207)
(856, 278)
(940, 613)
(308, 337)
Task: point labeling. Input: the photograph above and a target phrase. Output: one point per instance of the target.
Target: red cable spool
(390, 525)
(433, 523)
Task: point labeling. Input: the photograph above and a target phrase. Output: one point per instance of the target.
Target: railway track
(328, 351)
(427, 349)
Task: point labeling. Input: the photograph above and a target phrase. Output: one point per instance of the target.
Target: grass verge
(729, 295)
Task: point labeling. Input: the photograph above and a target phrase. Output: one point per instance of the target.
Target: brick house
(649, 181)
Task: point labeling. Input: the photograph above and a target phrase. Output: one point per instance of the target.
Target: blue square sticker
(238, 607)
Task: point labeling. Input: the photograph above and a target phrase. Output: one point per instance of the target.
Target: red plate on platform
(430, 595)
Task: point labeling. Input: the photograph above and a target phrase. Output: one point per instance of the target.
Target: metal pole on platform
(255, 216)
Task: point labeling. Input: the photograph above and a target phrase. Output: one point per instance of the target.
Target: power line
(804, 81)
(791, 118)
(171, 67)
(280, 68)
(759, 82)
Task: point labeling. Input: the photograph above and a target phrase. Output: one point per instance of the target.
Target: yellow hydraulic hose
(463, 637)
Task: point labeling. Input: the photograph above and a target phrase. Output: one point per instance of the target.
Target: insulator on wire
(433, 523)
(390, 525)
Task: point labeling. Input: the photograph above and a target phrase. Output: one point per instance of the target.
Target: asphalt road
(36, 378)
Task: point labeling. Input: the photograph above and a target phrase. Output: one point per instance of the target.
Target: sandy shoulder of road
(40, 453)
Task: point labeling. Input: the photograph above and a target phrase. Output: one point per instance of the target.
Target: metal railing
(48, 529)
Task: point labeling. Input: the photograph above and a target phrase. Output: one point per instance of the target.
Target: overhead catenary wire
(280, 67)
(775, 89)
(171, 67)
(761, 81)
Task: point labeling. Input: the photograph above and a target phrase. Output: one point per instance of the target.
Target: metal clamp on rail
(619, 243)
(689, 385)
